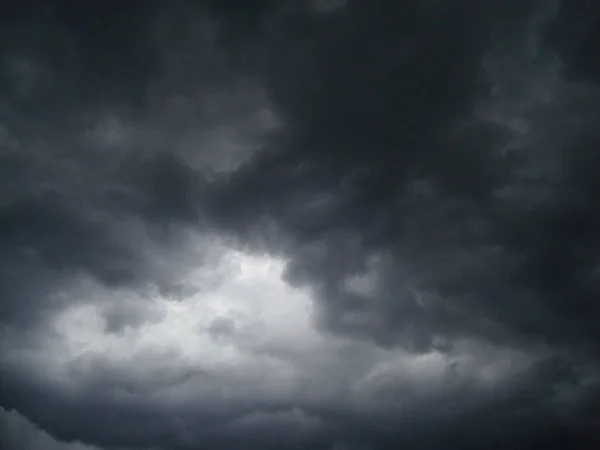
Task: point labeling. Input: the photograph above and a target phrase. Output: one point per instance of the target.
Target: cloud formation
(330, 224)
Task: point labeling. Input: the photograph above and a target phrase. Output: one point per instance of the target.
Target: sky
(285, 224)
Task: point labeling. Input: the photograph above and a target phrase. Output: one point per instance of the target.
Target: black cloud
(466, 159)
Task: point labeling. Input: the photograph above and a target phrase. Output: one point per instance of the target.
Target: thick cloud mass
(300, 224)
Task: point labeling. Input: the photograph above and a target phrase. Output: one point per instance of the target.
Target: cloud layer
(330, 224)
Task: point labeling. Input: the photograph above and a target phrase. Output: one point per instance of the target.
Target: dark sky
(317, 224)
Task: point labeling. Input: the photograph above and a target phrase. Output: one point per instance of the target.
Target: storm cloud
(300, 224)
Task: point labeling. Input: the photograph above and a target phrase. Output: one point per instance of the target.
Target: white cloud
(247, 339)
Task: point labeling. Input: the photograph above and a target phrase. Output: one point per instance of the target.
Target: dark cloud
(464, 163)
(20, 434)
(325, 224)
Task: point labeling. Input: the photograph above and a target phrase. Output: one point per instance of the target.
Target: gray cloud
(333, 225)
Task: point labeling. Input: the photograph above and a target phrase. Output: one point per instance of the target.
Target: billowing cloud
(327, 224)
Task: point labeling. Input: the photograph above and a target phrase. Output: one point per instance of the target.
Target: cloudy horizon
(324, 224)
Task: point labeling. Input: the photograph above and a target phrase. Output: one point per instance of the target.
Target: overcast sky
(300, 224)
